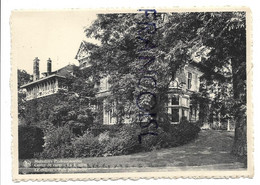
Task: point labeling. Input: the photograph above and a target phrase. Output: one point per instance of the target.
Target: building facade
(186, 82)
(50, 83)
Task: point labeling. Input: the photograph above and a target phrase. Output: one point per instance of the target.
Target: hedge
(30, 141)
(120, 140)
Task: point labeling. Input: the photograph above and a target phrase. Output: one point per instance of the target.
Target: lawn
(210, 151)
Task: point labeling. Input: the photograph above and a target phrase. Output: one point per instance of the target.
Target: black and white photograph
(116, 92)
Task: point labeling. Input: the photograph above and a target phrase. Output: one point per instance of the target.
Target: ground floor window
(193, 113)
(108, 117)
(175, 115)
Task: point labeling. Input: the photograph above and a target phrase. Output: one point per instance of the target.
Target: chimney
(36, 71)
(49, 66)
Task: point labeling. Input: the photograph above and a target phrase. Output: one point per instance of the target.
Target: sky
(44, 34)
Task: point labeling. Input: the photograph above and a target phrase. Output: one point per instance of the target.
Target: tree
(136, 50)
(222, 36)
(68, 107)
(22, 78)
(225, 35)
(177, 38)
(30, 141)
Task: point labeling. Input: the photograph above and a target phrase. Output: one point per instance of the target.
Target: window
(97, 84)
(175, 115)
(195, 112)
(175, 100)
(189, 80)
(109, 117)
(184, 102)
(104, 84)
(191, 110)
(106, 117)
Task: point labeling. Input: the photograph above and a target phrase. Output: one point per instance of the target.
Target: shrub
(87, 146)
(154, 142)
(100, 128)
(115, 146)
(30, 141)
(183, 133)
(125, 141)
(103, 137)
(199, 123)
(119, 141)
(58, 143)
(127, 135)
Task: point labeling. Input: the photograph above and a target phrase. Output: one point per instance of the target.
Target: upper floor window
(189, 80)
(103, 84)
(175, 100)
(184, 102)
(106, 84)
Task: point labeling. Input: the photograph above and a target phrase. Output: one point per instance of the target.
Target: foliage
(125, 140)
(182, 38)
(179, 134)
(99, 128)
(162, 140)
(30, 140)
(200, 101)
(119, 56)
(72, 107)
(128, 137)
(87, 145)
(225, 34)
(22, 78)
(218, 38)
(21, 105)
(58, 143)
(187, 131)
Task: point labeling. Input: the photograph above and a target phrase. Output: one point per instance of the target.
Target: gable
(194, 69)
(82, 51)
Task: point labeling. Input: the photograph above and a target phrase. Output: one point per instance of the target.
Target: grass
(210, 148)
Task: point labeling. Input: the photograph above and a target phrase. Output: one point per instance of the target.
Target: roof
(42, 79)
(86, 46)
(67, 68)
(208, 70)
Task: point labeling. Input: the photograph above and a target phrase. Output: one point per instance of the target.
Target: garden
(116, 140)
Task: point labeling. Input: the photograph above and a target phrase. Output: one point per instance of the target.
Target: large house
(50, 83)
(186, 82)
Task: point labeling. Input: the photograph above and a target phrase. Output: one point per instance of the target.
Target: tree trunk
(219, 122)
(240, 140)
(228, 125)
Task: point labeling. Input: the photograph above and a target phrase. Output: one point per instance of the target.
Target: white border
(8, 5)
